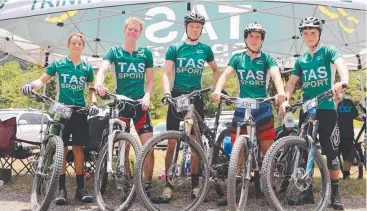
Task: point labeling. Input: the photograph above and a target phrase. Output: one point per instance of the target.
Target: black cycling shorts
(329, 135)
(77, 126)
(141, 119)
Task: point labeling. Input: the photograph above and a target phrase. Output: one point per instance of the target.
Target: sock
(62, 182)
(80, 181)
(194, 180)
(346, 174)
(335, 181)
(334, 188)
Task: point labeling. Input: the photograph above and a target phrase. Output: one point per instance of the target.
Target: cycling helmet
(194, 17)
(310, 22)
(254, 27)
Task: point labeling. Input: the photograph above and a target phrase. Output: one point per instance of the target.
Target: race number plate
(309, 104)
(247, 103)
(183, 104)
(64, 111)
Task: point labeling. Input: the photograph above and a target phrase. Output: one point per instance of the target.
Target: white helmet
(310, 22)
(254, 27)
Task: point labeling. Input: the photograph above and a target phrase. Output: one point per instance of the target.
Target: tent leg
(362, 84)
(43, 104)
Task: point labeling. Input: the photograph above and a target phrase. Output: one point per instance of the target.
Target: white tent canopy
(31, 30)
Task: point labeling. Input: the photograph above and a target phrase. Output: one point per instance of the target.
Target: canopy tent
(31, 30)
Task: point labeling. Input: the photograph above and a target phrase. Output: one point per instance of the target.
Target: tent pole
(362, 84)
(43, 104)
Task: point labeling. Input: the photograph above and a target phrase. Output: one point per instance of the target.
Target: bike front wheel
(284, 184)
(178, 175)
(47, 174)
(115, 190)
(237, 184)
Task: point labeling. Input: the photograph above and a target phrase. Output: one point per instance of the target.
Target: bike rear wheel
(47, 174)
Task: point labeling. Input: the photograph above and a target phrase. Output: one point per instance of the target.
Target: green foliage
(11, 81)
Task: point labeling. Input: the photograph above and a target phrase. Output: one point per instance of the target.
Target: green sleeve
(210, 57)
(51, 69)
(90, 74)
(297, 69)
(109, 56)
(271, 61)
(171, 53)
(233, 62)
(333, 53)
(149, 56)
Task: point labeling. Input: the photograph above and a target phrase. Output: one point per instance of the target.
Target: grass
(156, 121)
(353, 187)
(357, 124)
(350, 187)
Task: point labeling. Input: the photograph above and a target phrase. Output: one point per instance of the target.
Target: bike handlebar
(75, 109)
(293, 107)
(192, 94)
(229, 100)
(115, 96)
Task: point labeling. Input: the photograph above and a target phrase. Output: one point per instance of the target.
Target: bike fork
(121, 156)
(311, 157)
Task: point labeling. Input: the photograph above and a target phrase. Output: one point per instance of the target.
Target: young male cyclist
(316, 69)
(185, 61)
(253, 68)
(72, 74)
(133, 72)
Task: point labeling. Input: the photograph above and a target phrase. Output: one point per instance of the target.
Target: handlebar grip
(226, 99)
(269, 99)
(105, 97)
(206, 90)
(288, 108)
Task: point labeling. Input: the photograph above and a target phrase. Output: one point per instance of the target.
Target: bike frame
(46, 137)
(312, 124)
(192, 124)
(121, 127)
(253, 151)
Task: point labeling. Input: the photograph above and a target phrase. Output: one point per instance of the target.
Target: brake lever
(39, 98)
(106, 97)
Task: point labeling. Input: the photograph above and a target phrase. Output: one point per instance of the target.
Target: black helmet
(194, 17)
(310, 22)
(254, 27)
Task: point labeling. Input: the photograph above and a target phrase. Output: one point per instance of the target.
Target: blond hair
(134, 20)
(77, 34)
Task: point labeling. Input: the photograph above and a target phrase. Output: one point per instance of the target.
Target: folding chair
(11, 148)
(97, 125)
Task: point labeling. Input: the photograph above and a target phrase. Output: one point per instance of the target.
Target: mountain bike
(245, 162)
(293, 165)
(212, 161)
(113, 171)
(51, 155)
